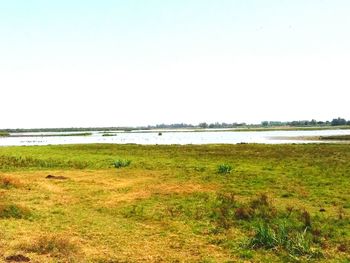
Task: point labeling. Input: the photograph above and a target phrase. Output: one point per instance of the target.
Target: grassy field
(209, 203)
(336, 137)
(4, 134)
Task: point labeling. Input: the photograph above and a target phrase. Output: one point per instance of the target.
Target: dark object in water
(159, 133)
(17, 258)
(56, 177)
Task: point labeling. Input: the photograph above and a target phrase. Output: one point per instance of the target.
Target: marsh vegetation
(336, 137)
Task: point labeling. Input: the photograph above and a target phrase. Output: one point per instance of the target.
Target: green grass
(336, 137)
(4, 134)
(108, 134)
(280, 203)
(224, 168)
(119, 163)
(8, 210)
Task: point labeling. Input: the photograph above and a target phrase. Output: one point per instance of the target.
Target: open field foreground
(209, 203)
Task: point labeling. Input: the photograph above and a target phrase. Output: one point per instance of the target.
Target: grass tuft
(13, 211)
(296, 243)
(224, 168)
(51, 244)
(264, 237)
(121, 163)
(4, 134)
(7, 182)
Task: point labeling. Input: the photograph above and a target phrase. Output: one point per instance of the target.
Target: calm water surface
(170, 137)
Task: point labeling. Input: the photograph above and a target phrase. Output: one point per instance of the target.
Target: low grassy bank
(51, 135)
(4, 134)
(336, 137)
(210, 203)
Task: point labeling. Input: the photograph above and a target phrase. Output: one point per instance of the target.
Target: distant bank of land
(50, 135)
(338, 123)
(338, 138)
(107, 130)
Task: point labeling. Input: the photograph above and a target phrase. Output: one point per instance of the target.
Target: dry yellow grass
(53, 204)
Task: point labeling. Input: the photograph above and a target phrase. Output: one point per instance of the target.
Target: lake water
(170, 137)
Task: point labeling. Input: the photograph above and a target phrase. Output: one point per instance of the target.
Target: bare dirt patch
(57, 177)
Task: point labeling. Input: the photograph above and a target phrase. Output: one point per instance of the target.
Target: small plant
(224, 168)
(297, 244)
(13, 211)
(224, 209)
(343, 247)
(52, 244)
(264, 237)
(121, 163)
(244, 213)
(7, 182)
(246, 254)
(136, 211)
(264, 207)
(306, 218)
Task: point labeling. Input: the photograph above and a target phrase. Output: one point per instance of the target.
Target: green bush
(223, 210)
(121, 163)
(264, 237)
(296, 243)
(13, 211)
(224, 168)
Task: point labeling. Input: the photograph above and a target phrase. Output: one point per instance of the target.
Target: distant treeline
(217, 125)
(67, 129)
(200, 125)
(304, 123)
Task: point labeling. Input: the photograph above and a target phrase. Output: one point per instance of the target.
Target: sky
(85, 63)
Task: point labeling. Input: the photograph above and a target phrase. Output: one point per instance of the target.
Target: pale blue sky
(111, 63)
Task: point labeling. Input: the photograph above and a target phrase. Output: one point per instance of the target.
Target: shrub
(264, 237)
(13, 211)
(224, 209)
(53, 244)
(244, 213)
(136, 211)
(7, 182)
(224, 169)
(297, 244)
(121, 163)
(306, 218)
(263, 207)
(343, 247)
